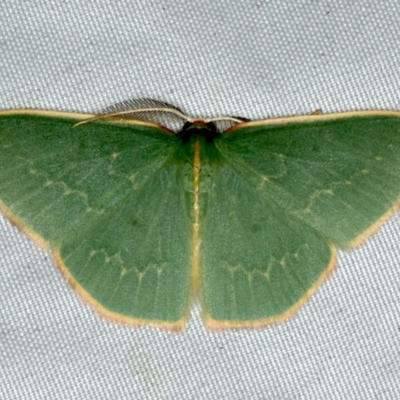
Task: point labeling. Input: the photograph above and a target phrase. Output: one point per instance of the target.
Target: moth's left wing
(109, 199)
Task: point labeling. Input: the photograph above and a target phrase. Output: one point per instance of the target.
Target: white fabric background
(255, 59)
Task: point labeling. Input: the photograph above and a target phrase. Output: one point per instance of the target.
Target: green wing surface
(282, 196)
(110, 200)
(140, 219)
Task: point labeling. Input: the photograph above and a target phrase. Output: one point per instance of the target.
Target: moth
(246, 216)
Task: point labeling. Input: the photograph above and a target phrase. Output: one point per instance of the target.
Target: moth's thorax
(200, 137)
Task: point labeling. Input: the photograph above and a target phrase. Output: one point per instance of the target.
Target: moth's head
(199, 128)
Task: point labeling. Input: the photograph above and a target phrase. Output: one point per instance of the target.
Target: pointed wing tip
(374, 228)
(22, 227)
(174, 326)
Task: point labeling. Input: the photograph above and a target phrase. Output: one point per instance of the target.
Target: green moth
(246, 218)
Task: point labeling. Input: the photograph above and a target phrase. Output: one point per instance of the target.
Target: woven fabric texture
(255, 59)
